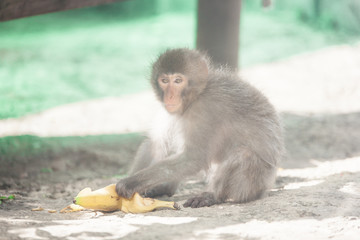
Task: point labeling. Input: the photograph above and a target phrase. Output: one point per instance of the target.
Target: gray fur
(228, 123)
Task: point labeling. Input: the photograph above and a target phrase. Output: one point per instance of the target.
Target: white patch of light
(330, 228)
(298, 185)
(324, 169)
(351, 188)
(112, 227)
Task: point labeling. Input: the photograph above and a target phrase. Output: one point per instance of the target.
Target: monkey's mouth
(172, 107)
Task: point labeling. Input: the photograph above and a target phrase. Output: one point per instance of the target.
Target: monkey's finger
(202, 201)
(196, 203)
(206, 202)
(186, 204)
(192, 202)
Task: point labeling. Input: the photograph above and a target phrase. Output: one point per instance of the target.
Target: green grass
(21, 148)
(6, 198)
(77, 55)
(38, 155)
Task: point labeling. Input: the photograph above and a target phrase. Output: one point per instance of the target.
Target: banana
(106, 199)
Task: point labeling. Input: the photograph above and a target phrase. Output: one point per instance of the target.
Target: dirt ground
(317, 192)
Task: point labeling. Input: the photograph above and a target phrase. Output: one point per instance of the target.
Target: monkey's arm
(143, 157)
(175, 169)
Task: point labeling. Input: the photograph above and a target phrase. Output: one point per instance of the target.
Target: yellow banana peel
(106, 199)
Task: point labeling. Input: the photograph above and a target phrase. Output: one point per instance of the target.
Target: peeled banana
(106, 199)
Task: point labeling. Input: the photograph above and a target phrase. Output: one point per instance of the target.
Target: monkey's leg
(168, 189)
(240, 178)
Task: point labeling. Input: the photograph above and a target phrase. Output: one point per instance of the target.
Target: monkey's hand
(127, 187)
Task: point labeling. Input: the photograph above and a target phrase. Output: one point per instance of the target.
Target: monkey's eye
(164, 80)
(178, 80)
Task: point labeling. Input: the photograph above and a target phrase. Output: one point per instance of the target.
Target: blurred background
(70, 56)
(102, 54)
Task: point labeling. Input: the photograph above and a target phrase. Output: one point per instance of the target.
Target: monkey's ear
(204, 68)
(200, 72)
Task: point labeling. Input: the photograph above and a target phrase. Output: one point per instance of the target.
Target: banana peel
(106, 199)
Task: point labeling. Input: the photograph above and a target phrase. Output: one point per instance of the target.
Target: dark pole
(218, 26)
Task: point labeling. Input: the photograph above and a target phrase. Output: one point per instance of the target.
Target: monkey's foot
(205, 199)
(160, 190)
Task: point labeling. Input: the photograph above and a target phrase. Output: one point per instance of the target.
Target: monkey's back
(235, 114)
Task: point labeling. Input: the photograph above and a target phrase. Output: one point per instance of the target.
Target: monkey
(214, 122)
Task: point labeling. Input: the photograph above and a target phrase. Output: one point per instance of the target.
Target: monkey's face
(173, 86)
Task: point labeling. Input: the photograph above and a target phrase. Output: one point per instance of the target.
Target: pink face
(172, 86)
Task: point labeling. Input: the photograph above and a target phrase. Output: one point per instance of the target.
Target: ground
(316, 195)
